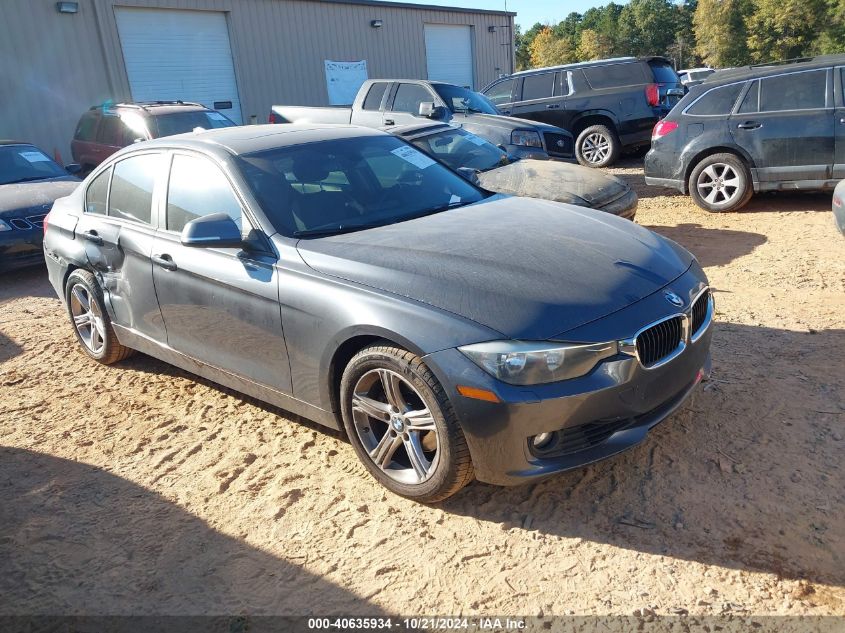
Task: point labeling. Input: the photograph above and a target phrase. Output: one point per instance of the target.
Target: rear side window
(501, 92)
(409, 97)
(112, 131)
(198, 188)
(751, 99)
(98, 191)
(131, 195)
(795, 91)
(614, 75)
(538, 86)
(717, 101)
(86, 128)
(373, 99)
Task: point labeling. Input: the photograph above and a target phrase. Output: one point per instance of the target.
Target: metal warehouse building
(59, 58)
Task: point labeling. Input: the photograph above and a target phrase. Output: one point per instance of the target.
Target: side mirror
(468, 173)
(431, 111)
(217, 230)
(73, 168)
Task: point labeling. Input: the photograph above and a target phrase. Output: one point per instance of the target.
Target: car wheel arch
(717, 149)
(594, 117)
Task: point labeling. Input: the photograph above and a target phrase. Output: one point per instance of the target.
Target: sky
(528, 12)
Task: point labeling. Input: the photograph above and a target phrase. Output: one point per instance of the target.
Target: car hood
(556, 181)
(38, 194)
(530, 269)
(505, 123)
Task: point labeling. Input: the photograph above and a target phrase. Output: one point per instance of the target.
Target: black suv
(757, 128)
(103, 130)
(608, 105)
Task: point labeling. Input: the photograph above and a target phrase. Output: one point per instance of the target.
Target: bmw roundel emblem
(674, 299)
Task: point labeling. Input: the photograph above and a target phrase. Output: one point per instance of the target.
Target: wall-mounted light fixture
(376, 24)
(491, 29)
(67, 7)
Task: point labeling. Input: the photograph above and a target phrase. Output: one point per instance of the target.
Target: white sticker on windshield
(415, 157)
(35, 157)
(454, 199)
(472, 138)
(216, 116)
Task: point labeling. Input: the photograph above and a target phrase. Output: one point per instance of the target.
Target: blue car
(30, 181)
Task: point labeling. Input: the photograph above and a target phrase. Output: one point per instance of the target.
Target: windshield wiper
(338, 230)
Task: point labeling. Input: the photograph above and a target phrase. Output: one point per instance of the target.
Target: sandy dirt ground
(138, 488)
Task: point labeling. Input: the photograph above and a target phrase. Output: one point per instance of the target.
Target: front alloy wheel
(402, 426)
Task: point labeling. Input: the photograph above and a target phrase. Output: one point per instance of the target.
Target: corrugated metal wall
(54, 66)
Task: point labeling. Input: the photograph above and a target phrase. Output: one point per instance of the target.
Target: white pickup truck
(383, 103)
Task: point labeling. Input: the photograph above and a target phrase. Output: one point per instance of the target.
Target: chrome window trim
(686, 112)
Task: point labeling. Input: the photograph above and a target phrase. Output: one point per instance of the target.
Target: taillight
(662, 129)
(272, 118)
(44, 222)
(652, 94)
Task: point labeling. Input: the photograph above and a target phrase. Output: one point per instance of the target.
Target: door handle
(165, 261)
(750, 125)
(91, 236)
(552, 106)
(389, 122)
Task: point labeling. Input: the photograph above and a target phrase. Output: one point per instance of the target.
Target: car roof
(775, 68)
(246, 139)
(153, 107)
(589, 64)
(12, 142)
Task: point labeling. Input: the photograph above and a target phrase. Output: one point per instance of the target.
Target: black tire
(597, 146)
(720, 169)
(102, 344)
(450, 466)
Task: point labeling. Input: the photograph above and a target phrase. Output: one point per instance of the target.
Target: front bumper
(601, 414)
(625, 206)
(19, 249)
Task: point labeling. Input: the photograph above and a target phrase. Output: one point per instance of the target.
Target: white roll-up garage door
(179, 55)
(448, 53)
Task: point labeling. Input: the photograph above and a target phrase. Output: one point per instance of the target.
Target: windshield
(350, 184)
(25, 163)
(182, 122)
(463, 100)
(458, 148)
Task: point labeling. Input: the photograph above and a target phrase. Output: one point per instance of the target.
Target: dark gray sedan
(342, 274)
(493, 169)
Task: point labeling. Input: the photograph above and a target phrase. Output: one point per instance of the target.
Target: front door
(541, 99)
(789, 133)
(220, 305)
(404, 106)
(117, 232)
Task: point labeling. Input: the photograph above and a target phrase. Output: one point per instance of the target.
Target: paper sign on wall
(343, 79)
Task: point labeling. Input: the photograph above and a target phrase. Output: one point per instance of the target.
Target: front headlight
(527, 138)
(4, 226)
(534, 363)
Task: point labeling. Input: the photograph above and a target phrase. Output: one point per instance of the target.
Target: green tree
(646, 27)
(548, 50)
(783, 29)
(720, 32)
(832, 38)
(594, 45)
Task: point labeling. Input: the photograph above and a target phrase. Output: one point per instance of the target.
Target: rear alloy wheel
(720, 183)
(597, 146)
(402, 425)
(91, 323)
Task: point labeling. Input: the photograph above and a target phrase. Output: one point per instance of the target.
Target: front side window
(795, 91)
(131, 195)
(409, 97)
(716, 101)
(538, 86)
(198, 188)
(374, 96)
(351, 184)
(501, 92)
(98, 191)
(458, 148)
(26, 163)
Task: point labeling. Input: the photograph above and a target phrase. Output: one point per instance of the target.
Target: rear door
(220, 305)
(371, 110)
(789, 132)
(117, 231)
(669, 85)
(541, 99)
(404, 103)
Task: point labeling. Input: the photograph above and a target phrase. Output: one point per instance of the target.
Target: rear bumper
(664, 169)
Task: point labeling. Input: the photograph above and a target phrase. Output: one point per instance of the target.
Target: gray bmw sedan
(343, 275)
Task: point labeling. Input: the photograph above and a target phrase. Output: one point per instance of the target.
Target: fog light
(542, 440)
